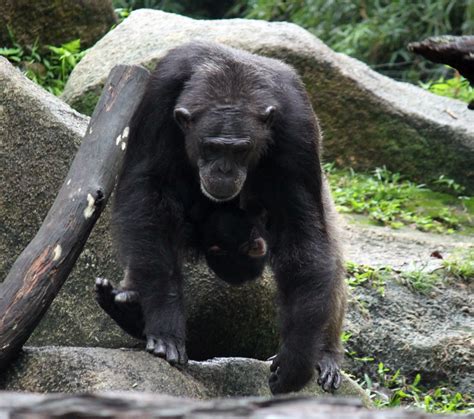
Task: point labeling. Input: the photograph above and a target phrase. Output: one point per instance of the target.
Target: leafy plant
(49, 67)
(456, 87)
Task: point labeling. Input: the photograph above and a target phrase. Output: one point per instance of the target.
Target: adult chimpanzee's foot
(329, 373)
(170, 348)
(122, 306)
(291, 372)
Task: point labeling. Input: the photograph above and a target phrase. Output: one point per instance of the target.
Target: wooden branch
(455, 51)
(39, 272)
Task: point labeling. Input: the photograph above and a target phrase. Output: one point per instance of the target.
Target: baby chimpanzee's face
(234, 246)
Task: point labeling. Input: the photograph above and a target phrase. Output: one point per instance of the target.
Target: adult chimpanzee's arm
(149, 227)
(304, 251)
(308, 271)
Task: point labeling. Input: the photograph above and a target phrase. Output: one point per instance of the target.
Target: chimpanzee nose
(225, 168)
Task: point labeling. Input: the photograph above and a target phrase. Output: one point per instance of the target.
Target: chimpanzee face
(224, 143)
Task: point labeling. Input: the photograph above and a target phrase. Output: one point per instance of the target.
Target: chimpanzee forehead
(227, 121)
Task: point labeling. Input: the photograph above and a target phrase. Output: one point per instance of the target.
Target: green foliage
(374, 31)
(390, 200)
(389, 389)
(362, 275)
(48, 67)
(456, 87)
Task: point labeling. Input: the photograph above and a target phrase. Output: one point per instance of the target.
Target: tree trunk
(39, 272)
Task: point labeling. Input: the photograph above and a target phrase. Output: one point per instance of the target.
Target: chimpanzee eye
(216, 251)
(241, 153)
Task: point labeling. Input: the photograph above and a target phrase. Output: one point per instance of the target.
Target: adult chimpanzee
(224, 125)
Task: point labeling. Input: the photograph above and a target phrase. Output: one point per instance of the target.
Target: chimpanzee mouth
(217, 198)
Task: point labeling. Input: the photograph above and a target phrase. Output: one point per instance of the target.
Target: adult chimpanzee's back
(221, 125)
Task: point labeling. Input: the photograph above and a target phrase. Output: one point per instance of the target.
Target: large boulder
(57, 22)
(368, 120)
(75, 370)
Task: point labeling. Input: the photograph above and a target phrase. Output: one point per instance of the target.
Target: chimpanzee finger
(183, 356)
(323, 373)
(160, 348)
(172, 355)
(275, 364)
(102, 283)
(337, 381)
(327, 382)
(150, 344)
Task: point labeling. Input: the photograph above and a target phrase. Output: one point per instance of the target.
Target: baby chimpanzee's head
(233, 245)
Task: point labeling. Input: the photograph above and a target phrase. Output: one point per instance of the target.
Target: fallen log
(455, 51)
(41, 269)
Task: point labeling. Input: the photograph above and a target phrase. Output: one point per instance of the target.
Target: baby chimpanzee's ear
(183, 117)
(269, 115)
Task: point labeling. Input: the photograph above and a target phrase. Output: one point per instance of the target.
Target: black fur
(201, 96)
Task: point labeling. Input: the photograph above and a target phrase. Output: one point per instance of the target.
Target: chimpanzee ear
(269, 115)
(183, 117)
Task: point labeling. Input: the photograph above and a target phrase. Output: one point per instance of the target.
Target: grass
(460, 265)
(389, 200)
(420, 281)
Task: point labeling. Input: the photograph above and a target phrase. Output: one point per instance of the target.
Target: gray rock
(73, 370)
(368, 120)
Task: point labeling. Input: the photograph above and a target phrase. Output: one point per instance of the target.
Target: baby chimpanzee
(231, 241)
(233, 244)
